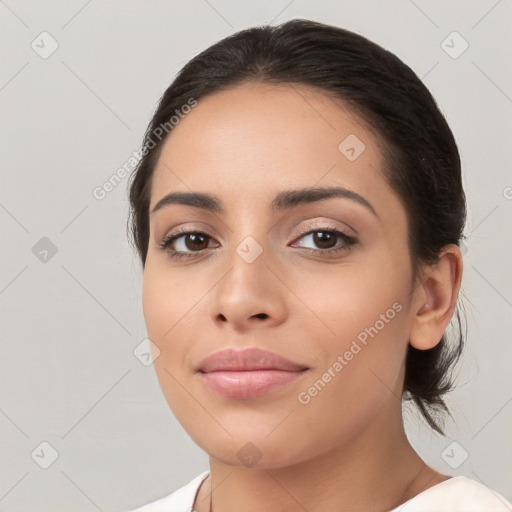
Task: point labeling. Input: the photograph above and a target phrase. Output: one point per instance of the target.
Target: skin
(346, 449)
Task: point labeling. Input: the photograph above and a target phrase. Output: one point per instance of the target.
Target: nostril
(261, 315)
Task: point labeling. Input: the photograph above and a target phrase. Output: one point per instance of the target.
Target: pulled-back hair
(422, 163)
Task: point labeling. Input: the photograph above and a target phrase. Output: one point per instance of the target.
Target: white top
(457, 494)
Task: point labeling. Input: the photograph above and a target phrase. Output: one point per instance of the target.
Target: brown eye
(186, 243)
(196, 241)
(326, 241)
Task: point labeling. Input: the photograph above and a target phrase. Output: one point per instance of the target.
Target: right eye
(184, 244)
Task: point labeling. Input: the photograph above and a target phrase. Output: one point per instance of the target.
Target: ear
(435, 299)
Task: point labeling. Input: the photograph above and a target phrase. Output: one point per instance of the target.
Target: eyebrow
(282, 201)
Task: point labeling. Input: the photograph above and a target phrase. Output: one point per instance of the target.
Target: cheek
(358, 314)
(344, 300)
(169, 298)
(176, 313)
(359, 334)
(170, 304)
(156, 307)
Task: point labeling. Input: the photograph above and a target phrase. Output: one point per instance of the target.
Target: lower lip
(248, 384)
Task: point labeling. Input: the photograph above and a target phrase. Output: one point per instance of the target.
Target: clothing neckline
(206, 474)
(426, 491)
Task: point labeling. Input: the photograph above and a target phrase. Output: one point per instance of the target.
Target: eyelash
(348, 242)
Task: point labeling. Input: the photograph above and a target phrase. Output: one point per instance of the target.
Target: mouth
(248, 373)
(249, 384)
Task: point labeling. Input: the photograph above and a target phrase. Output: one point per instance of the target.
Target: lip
(248, 373)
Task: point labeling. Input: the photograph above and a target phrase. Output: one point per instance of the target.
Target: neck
(376, 471)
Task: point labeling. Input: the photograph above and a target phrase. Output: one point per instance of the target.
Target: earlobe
(436, 299)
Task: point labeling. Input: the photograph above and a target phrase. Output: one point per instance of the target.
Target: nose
(249, 296)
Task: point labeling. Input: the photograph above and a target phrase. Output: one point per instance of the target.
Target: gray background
(71, 320)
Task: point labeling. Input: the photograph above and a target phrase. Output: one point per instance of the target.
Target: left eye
(326, 240)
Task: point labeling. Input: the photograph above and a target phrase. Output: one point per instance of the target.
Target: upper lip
(247, 359)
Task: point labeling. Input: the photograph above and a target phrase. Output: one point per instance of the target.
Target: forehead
(260, 138)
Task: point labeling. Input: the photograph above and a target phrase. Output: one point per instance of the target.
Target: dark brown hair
(422, 159)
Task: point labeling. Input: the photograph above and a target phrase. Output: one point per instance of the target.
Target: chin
(245, 449)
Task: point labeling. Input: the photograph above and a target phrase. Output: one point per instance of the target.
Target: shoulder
(457, 494)
(181, 500)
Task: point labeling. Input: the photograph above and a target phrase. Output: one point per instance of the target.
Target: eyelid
(323, 226)
(303, 230)
(189, 227)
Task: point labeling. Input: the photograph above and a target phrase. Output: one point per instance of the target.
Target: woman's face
(267, 273)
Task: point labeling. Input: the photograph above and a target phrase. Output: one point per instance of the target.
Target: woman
(298, 210)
